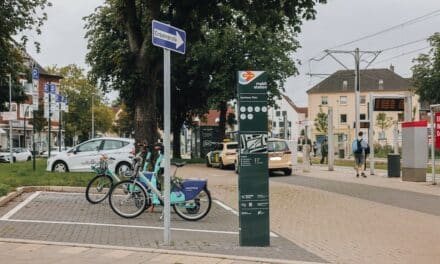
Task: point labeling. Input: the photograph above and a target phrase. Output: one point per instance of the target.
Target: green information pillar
(253, 181)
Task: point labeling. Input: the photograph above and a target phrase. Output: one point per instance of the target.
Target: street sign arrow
(168, 37)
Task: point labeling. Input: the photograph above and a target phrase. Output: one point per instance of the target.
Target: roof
(369, 82)
(33, 63)
(212, 115)
(299, 110)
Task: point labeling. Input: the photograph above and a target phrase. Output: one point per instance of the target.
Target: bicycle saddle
(179, 164)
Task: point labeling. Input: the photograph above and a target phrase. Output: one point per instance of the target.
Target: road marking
(227, 208)
(114, 225)
(19, 206)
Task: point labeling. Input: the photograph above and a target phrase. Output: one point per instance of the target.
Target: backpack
(357, 146)
(367, 150)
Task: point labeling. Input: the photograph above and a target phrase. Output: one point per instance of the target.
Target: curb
(159, 251)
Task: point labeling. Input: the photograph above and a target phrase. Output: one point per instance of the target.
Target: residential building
(22, 125)
(337, 91)
(286, 119)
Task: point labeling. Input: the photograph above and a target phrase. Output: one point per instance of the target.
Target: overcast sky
(337, 22)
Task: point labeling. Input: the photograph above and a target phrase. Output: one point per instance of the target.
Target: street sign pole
(11, 159)
(170, 39)
(166, 140)
(50, 118)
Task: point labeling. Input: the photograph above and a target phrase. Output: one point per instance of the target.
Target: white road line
(19, 206)
(227, 208)
(114, 225)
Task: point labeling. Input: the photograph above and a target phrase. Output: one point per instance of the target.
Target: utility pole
(330, 140)
(285, 126)
(11, 158)
(50, 118)
(93, 118)
(59, 126)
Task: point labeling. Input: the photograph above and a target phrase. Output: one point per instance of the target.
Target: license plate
(275, 158)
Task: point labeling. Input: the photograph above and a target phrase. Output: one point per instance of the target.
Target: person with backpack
(324, 151)
(359, 146)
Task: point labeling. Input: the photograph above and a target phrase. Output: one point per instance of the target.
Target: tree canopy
(121, 53)
(426, 72)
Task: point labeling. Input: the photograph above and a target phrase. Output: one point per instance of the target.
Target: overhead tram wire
(406, 23)
(403, 54)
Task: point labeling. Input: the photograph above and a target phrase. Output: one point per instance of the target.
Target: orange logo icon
(248, 75)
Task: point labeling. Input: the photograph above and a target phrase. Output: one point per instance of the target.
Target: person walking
(358, 146)
(324, 151)
(315, 148)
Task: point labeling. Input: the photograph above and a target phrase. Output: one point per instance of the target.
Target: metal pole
(330, 140)
(285, 126)
(371, 133)
(167, 143)
(59, 127)
(93, 118)
(33, 140)
(11, 159)
(50, 118)
(433, 145)
(24, 127)
(357, 89)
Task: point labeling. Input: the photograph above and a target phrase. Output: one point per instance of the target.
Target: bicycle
(190, 199)
(99, 186)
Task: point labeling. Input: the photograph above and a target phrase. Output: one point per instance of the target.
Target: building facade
(337, 91)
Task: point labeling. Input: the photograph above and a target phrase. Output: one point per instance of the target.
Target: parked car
(82, 156)
(18, 154)
(279, 155)
(223, 155)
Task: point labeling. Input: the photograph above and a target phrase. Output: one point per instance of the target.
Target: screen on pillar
(389, 104)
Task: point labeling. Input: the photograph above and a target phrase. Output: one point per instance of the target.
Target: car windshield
(277, 146)
(219, 146)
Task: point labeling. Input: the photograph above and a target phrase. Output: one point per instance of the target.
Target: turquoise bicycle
(190, 199)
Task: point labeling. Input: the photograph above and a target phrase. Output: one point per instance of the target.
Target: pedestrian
(315, 148)
(324, 151)
(358, 146)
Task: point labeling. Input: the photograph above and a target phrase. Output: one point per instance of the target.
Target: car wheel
(207, 163)
(29, 158)
(14, 159)
(60, 166)
(221, 165)
(288, 172)
(122, 167)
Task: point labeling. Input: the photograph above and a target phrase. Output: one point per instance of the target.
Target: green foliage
(17, 16)
(81, 92)
(426, 72)
(321, 122)
(383, 121)
(4, 189)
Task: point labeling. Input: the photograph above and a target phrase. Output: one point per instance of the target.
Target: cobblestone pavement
(346, 228)
(64, 217)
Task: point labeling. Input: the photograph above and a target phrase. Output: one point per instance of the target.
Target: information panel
(389, 104)
(253, 182)
(437, 130)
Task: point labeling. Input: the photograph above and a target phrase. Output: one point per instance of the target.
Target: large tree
(321, 122)
(17, 16)
(121, 53)
(426, 72)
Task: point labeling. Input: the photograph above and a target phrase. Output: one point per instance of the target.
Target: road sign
(168, 37)
(7, 116)
(35, 74)
(437, 130)
(253, 180)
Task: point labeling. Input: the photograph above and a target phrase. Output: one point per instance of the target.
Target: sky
(337, 22)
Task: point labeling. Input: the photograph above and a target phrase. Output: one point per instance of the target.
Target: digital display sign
(389, 104)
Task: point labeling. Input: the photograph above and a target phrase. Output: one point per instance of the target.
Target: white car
(18, 154)
(82, 156)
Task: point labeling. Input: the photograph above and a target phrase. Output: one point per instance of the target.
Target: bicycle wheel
(195, 209)
(128, 199)
(98, 188)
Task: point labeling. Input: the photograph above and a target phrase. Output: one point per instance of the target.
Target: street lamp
(11, 159)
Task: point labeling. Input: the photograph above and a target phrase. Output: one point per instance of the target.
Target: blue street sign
(65, 100)
(168, 37)
(46, 88)
(59, 98)
(35, 74)
(53, 88)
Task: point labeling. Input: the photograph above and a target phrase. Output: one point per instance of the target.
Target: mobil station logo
(245, 77)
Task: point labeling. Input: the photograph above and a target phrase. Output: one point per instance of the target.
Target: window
(232, 146)
(25, 109)
(112, 144)
(324, 100)
(278, 113)
(274, 124)
(284, 113)
(343, 100)
(277, 146)
(363, 117)
(344, 85)
(282, 124)
(290, 124)
(363, 99)
(380, 84)
(89, 146)
(343, 118)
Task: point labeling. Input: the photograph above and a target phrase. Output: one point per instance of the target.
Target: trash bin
(341, 154)
(393, 165)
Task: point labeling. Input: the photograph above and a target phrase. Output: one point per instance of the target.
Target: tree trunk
(176, 144)
(145, 114)
(222, 122)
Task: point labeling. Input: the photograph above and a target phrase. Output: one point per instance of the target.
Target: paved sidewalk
(25, 252)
